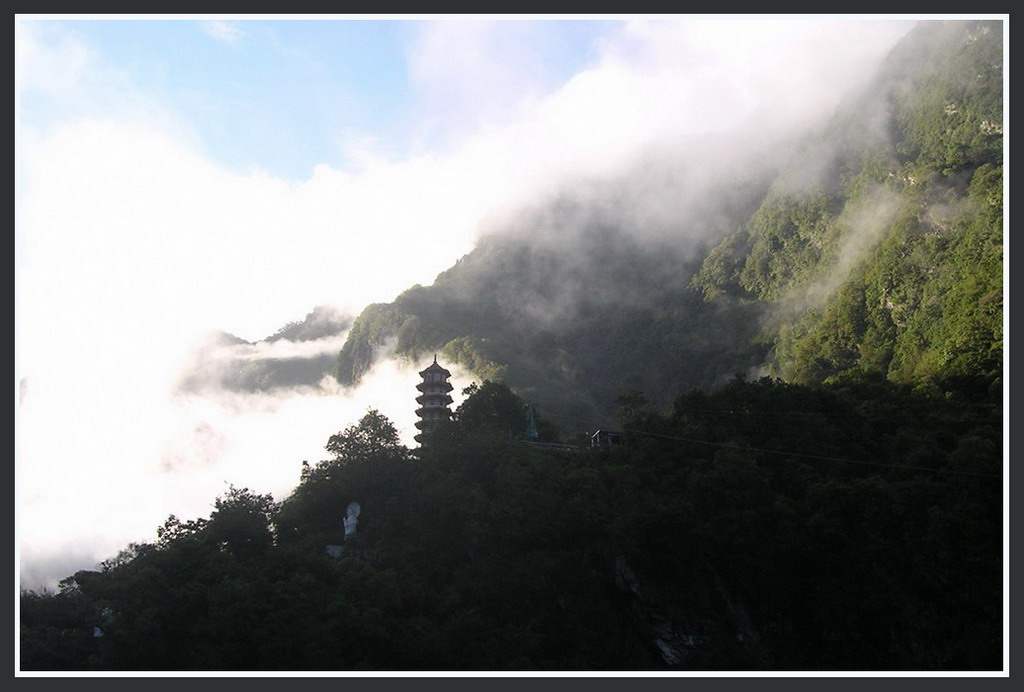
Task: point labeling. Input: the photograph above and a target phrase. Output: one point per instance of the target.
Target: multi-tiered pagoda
(433, 399)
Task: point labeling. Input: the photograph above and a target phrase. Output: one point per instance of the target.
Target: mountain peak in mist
(868, 245)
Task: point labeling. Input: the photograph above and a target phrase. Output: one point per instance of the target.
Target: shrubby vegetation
(924, 300)
(843, 514)
(569, 333)
(877, 248)
(761, 526)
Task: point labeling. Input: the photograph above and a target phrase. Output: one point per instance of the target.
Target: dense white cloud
(131, 243)
(120, 462)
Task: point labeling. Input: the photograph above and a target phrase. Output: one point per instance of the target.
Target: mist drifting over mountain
(134, 241)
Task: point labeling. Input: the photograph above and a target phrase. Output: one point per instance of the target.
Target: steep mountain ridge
(875, 247)
(299, 354)
(846, 519)
(893, 262)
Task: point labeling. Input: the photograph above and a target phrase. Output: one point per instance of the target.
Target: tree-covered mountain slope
(889, 259)
(299, 354)
(570, 328)
(845, 514)
(872, 246)
(763, 526)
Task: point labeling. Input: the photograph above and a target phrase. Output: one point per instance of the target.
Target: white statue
(351, 518)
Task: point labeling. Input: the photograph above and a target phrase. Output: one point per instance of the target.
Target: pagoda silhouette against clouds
(434, 400)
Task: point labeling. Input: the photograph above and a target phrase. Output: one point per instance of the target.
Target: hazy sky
(188, 174)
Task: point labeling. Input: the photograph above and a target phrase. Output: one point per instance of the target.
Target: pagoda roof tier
(425, 425)
(446, 386)
(424, 398)
(421, 411)
(434, 367)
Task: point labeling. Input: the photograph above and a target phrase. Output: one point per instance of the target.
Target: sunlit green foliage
(877, 248)
(953, 73)
(923, 303)
(846, 517)
(792, 238)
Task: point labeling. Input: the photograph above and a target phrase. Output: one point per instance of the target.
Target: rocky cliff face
(688, 631)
